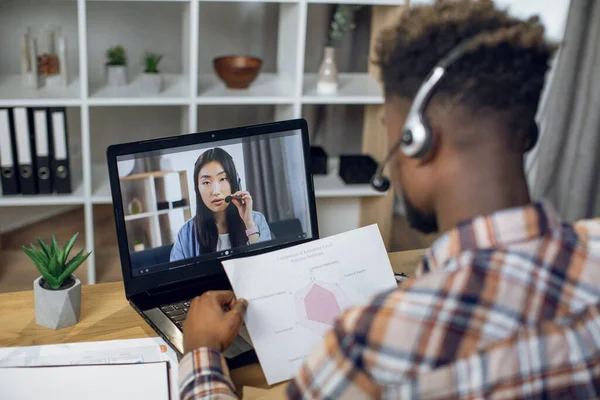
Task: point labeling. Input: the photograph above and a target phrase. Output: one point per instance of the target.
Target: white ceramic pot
(151, 84)
(116, 75)
(56, 309)
(54, 81)
(139, 247)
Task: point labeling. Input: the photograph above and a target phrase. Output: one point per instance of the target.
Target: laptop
(183, 204)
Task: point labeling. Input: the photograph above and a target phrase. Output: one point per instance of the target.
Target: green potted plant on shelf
(57, 292)
(139, 245)
(151, 80)
(341, 23)
(116, 66)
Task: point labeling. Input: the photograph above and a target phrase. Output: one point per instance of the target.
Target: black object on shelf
(318, 161)
(357, 169)
(180, 203)
(162, 205)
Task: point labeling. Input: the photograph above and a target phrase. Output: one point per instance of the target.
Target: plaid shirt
(505, 306)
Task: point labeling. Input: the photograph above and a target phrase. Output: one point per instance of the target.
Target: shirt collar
(495, 230)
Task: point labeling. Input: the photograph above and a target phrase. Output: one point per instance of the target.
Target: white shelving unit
(184, 31)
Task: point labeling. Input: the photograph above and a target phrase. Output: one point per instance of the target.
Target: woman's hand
(243, 201)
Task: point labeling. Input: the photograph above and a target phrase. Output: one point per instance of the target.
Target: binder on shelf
(40, 124)
(61, 171)
(25, 151)
(8, 153)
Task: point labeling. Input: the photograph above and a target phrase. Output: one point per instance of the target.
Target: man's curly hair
(504, 68)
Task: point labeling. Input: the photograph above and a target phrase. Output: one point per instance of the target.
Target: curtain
(566, 166)
(266, 178)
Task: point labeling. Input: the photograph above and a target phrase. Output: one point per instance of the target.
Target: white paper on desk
(130, 351)
(295, 294)
(91, 382)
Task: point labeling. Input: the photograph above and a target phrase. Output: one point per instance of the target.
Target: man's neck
(479, 192)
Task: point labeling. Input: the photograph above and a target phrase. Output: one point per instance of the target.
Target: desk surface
(106, 315)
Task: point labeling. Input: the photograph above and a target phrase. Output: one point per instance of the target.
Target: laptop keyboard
(177, 312)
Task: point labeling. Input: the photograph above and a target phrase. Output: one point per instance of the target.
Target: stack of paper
(147, 366)
(148, 381)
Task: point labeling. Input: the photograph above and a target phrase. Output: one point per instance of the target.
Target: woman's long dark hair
(204, 219)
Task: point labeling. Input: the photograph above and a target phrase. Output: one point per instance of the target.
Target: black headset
(417, 136)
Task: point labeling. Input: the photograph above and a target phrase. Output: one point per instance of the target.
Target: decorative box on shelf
(357, 169)
(318, 161)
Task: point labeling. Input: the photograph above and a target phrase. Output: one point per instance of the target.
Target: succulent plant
(341, 23)
(51, 261)
(151, 61)
(116, 56)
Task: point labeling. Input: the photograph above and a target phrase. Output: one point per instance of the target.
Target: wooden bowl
(238, 72)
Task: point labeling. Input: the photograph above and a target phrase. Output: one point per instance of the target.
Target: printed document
(295, 294)
(112, 352)
(91, 382)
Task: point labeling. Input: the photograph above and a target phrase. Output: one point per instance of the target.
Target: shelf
(100, 185)
(143, 1)
(266, 89)
(175, 92)
(147, 175)
(77, 197)
(153, 213)
(353, 89)
(249, 1)
(361, 2)
(13, 94)
(331, 185)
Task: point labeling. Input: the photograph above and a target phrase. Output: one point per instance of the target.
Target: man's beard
(424, 223)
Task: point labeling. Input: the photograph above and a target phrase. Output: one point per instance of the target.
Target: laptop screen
(213, 200)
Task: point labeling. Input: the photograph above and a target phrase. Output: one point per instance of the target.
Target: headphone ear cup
(418, 142)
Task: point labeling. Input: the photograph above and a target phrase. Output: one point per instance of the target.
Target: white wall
(553, 13)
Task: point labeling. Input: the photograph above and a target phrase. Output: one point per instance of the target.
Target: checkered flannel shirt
(504, 306)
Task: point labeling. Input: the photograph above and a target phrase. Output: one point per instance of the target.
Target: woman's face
(214, 186)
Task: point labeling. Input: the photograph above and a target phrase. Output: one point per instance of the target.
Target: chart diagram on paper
(295, 295)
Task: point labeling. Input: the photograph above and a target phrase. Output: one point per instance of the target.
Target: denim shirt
(187, 245)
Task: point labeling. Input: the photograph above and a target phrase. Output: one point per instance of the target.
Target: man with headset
(505, 301)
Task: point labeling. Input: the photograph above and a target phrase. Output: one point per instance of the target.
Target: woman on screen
(224, 217)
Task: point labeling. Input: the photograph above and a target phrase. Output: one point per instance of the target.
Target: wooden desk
(106, 315)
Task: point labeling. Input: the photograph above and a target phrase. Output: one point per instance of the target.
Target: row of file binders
(34, 156)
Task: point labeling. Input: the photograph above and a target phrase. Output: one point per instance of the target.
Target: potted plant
(57, 293)
(116, 66)
(139, 245)
(342, 22)
(151, 80)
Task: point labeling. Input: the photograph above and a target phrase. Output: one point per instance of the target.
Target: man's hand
(213, 320)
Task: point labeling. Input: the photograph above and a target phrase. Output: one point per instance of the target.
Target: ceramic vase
(56, 309)
(328, 80)
(151, 84)
(116, 75)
